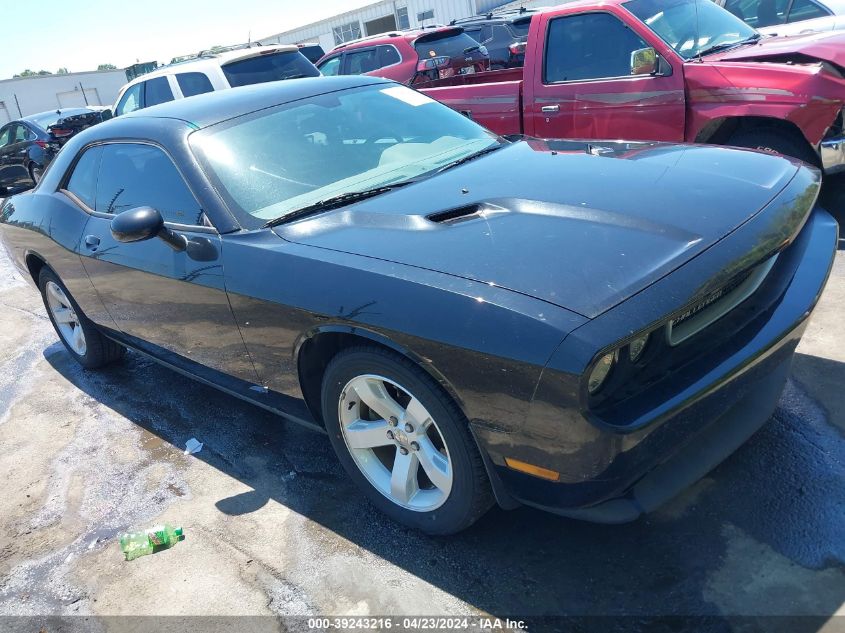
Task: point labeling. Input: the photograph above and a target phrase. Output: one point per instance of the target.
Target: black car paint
(258, 317)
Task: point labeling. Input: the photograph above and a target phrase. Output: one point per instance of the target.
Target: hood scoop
(465, 213)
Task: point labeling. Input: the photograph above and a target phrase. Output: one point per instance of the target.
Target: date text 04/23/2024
(480, 624)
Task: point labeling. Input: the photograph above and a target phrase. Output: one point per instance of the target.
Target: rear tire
(79, 335)
(774, 141)
(36, 172)
(394, 471)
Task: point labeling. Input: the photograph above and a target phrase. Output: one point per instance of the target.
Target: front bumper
(832, 153)
(613, 475)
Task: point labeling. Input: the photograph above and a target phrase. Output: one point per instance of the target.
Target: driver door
(586, 90)
(163, 299)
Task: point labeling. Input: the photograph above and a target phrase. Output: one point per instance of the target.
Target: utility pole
(18, 103)
(84, 96)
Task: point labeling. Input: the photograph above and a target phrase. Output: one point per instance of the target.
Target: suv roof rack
(225, 49)
(210, 52)
(367, 38)
(490, 15)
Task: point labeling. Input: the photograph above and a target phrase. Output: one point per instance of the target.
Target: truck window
(589, 46)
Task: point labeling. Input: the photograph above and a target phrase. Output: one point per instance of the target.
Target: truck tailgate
(495, 104)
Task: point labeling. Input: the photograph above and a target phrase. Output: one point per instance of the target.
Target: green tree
(32, 73)
(106, 67)
(62, 71)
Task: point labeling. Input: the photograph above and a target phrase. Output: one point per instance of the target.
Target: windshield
(692, 27)
(270, 163)
(269, 67)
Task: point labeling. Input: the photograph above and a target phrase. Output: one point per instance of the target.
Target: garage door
(74, 98)
(382, 25)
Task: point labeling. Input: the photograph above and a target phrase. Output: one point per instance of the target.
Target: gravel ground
(275, 529)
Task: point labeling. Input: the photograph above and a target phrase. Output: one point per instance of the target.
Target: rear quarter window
(269, 67)
(83, 179)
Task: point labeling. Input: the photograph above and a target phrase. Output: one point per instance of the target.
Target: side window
(5, 135)
(130, 101)
(83, 179)
(19, 133)
(474, 32)
(805, 10)
(157, 91)
(589, 46)
(193, 84)
(387, 56)
(330, 67)
(134, 175)
(759, 13)
(361, 61)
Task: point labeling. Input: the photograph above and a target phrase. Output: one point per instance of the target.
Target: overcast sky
(80, 35)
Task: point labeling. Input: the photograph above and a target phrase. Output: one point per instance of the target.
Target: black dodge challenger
(582, 327)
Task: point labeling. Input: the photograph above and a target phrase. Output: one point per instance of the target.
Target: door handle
(92, 242)
(550, 109)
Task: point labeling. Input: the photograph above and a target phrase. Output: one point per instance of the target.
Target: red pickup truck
(665, 70)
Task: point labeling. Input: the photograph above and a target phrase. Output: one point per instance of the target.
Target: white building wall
(29, 95)
(444, 12)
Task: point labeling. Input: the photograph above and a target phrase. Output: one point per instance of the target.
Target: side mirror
(144, 223)
(644, 61)
(137, 225)
(106, 114)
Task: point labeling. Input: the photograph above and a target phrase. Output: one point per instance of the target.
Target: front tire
(403, 441)
(78, 334)
(775, 142)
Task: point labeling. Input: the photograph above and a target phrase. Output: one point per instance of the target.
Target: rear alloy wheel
(403, 441)
(78, 334)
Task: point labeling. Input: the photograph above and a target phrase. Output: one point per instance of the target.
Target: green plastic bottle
(155, 539)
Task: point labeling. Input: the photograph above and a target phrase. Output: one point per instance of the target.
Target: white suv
(214, 71)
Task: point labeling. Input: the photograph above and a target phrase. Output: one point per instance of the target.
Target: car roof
(214, 107)
(385, 38)
(205, 59)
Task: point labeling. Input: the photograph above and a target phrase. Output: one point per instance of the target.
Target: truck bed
(492, 99)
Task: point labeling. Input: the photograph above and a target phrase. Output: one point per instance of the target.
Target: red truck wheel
(775, 142)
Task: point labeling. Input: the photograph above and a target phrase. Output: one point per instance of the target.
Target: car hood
(823, 46)
(582, 225)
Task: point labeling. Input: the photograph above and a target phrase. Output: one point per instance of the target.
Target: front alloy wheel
(404, 441)
(395, 443)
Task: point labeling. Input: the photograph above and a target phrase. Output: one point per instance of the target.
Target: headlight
(637, 347)
(601, 371)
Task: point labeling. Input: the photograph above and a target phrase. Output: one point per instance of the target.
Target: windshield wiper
(334, 202)
(726, 45)
(470, 157)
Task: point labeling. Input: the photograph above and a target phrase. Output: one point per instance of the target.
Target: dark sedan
(582, 327)
(27, 145)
